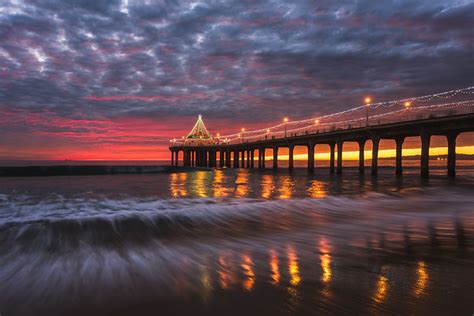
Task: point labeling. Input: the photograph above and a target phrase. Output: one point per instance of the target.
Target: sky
(96, 79)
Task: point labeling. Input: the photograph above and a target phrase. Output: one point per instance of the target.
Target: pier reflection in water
(252, 271)
(240, 242)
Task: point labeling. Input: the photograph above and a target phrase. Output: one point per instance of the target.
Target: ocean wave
(60, 223)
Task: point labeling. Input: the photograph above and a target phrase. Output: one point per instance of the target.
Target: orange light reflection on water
(274, 267)
(226, 275)
(178, 184)
(286, 187)
(295, 279)
(422, 279)
(382, 287)
(241, 183)
(317, 190)
(293, 268)
(325, 258)
(267, 186)
(218, 186)
(247, 267)
(200, 184)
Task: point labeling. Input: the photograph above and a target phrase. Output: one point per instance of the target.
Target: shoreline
(75, 170)
(86, 170)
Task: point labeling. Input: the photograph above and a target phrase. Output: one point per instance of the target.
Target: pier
(242, 149)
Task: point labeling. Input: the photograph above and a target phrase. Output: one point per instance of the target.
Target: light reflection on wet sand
(382, 286)
(274, 267)
(295, 278)
(247, 267)
(280, 254)
(422, 279)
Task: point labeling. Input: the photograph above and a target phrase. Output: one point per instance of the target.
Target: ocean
(238, 242)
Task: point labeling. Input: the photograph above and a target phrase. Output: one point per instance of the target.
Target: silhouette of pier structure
(371, 122)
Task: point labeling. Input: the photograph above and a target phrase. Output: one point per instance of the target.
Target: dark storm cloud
(239, 60)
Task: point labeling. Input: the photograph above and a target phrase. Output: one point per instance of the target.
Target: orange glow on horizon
(383, 153)
(156, 153)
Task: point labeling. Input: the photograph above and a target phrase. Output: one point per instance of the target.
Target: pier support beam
(204, 158)
(252, 160)
(236, 158)
(242, 164)
(375, 156)
(186, 158)
(398, 157)
(259, 158)
(172, 158)
(451, 138)
(275, 157)
(339, 157)
(248, 159)
(263, 158)
(331, 158)
(228, 158)
(213, 158)
(290, 157)
(311, 157)
(425, 154)
(221, 158)
(209, 158)
(189, 158)
(361, 156)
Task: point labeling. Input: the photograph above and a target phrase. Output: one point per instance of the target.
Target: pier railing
(315, 127)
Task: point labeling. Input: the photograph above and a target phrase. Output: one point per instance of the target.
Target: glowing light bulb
(407, 104)
(367, 100)
(285, 120)
(316, 121)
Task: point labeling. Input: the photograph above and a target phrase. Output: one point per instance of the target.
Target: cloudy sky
(97, 79)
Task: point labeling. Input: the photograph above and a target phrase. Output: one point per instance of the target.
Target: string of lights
(292, 127)
(385, 104)
(323, 126)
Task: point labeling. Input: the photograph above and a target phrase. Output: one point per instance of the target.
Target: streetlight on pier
(218, 137)
(268, 133)
(285, 120)
(407, 105)
(367, 102)
(243, 131)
